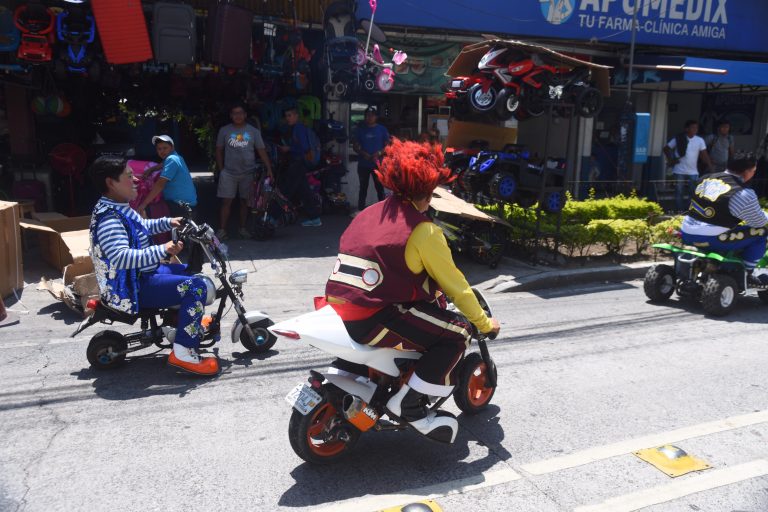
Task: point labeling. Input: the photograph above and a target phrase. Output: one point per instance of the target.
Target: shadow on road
(392, 462)
(145, 376)
(748, 309)
(60, 312)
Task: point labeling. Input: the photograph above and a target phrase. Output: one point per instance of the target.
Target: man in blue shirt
(369, 143)
(293, 179)
(175, 182)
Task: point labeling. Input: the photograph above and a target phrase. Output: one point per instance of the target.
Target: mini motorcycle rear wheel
(306, 432)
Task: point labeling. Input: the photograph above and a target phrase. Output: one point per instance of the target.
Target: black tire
(492, 234)
(553, 201)
(718, 297)
(471, 395)
(301, 428)
(479, 101)
(763, 294)
(589, 102)
(259, 329)
(101, 346)
(507, 104)
(261, 228)
(659, 283)
(503, 186)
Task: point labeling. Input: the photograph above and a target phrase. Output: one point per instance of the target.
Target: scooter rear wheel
(471, 394)
(306, 434)
(102, 348)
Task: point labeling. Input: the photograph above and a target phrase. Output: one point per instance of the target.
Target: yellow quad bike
(713, 279)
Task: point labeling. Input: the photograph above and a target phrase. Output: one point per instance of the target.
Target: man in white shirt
(683, 152)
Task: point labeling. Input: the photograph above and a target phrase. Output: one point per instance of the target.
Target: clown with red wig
(393, 264)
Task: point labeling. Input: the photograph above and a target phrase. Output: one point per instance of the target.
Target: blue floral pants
(170, 286)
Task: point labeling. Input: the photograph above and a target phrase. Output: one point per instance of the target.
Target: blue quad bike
(715, 280)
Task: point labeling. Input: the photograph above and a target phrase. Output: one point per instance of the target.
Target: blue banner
(642, 135)
(730, 25)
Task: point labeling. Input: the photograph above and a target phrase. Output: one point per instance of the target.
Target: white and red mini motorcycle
(334, 407)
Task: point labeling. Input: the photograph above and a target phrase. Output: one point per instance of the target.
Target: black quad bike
(713, 279)
(108, 349)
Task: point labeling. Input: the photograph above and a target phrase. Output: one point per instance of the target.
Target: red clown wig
(413, 169)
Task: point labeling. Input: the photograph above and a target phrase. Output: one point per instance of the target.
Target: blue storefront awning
(720, 25)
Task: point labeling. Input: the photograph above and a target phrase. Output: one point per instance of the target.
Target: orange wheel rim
(477, 393)
(319, 422)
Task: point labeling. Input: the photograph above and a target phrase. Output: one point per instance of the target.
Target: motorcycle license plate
(303, 398)
(457, 84)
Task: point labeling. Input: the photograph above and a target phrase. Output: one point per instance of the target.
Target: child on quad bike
(724, 215)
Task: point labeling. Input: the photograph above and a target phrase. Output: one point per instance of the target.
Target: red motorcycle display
(508, 82)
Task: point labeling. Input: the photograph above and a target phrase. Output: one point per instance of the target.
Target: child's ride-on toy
(711, 278)
(107, 349)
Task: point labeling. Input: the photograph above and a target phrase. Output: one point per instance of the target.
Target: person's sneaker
(312, 223)
(244, 233)
(221, 234)
(411, 406)
(189, 360)
(760, 280)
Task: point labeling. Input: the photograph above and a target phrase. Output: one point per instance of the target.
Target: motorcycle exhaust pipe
(358, 413)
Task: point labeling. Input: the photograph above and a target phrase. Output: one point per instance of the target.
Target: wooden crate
(11, 270)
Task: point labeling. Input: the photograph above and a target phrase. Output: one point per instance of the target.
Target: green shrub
(618, 234)
(664, 231)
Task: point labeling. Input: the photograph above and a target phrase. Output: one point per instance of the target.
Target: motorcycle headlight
(238, 277)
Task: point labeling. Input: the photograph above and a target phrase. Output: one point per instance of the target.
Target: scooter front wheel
(322, 436)
(471, 394)
(264, 339)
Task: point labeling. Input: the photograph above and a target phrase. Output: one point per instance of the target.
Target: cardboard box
(445, 202)
(11, 268)
(64, 242)
(462, 133)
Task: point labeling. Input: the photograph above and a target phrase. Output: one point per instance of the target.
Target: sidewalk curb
(574, 276)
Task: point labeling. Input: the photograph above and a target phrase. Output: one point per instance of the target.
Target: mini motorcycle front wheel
(471, 394)
(322, 436)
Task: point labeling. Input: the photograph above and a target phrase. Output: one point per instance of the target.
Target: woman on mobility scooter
(129, 269)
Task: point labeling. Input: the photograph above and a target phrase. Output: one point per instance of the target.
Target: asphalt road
(588, 375)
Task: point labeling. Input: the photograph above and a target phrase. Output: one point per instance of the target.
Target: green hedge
(619, 224)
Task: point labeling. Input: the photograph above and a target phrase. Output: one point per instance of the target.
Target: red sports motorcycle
(508, 82)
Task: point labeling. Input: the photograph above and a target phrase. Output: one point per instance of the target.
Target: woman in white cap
(175, 182)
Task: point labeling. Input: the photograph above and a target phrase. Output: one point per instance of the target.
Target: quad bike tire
(101, 346)
(553, 201)
(589, 102)
(482, 102)
(507, 104)
(659, 283)
(471, 394)
(503, 186)
(304, 431)
(259, 329)
(718, 297)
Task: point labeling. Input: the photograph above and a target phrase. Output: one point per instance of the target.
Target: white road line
(378, 502)
(612, 450)
(52, 341)
(680, 488)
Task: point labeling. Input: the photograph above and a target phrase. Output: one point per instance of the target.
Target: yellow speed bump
(419, 506)
(672, 460)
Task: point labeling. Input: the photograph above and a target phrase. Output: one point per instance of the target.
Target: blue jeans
(170, 286)
(749, 241)
(684, 181)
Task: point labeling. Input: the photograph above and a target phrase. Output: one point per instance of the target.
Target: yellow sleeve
(428, 250)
